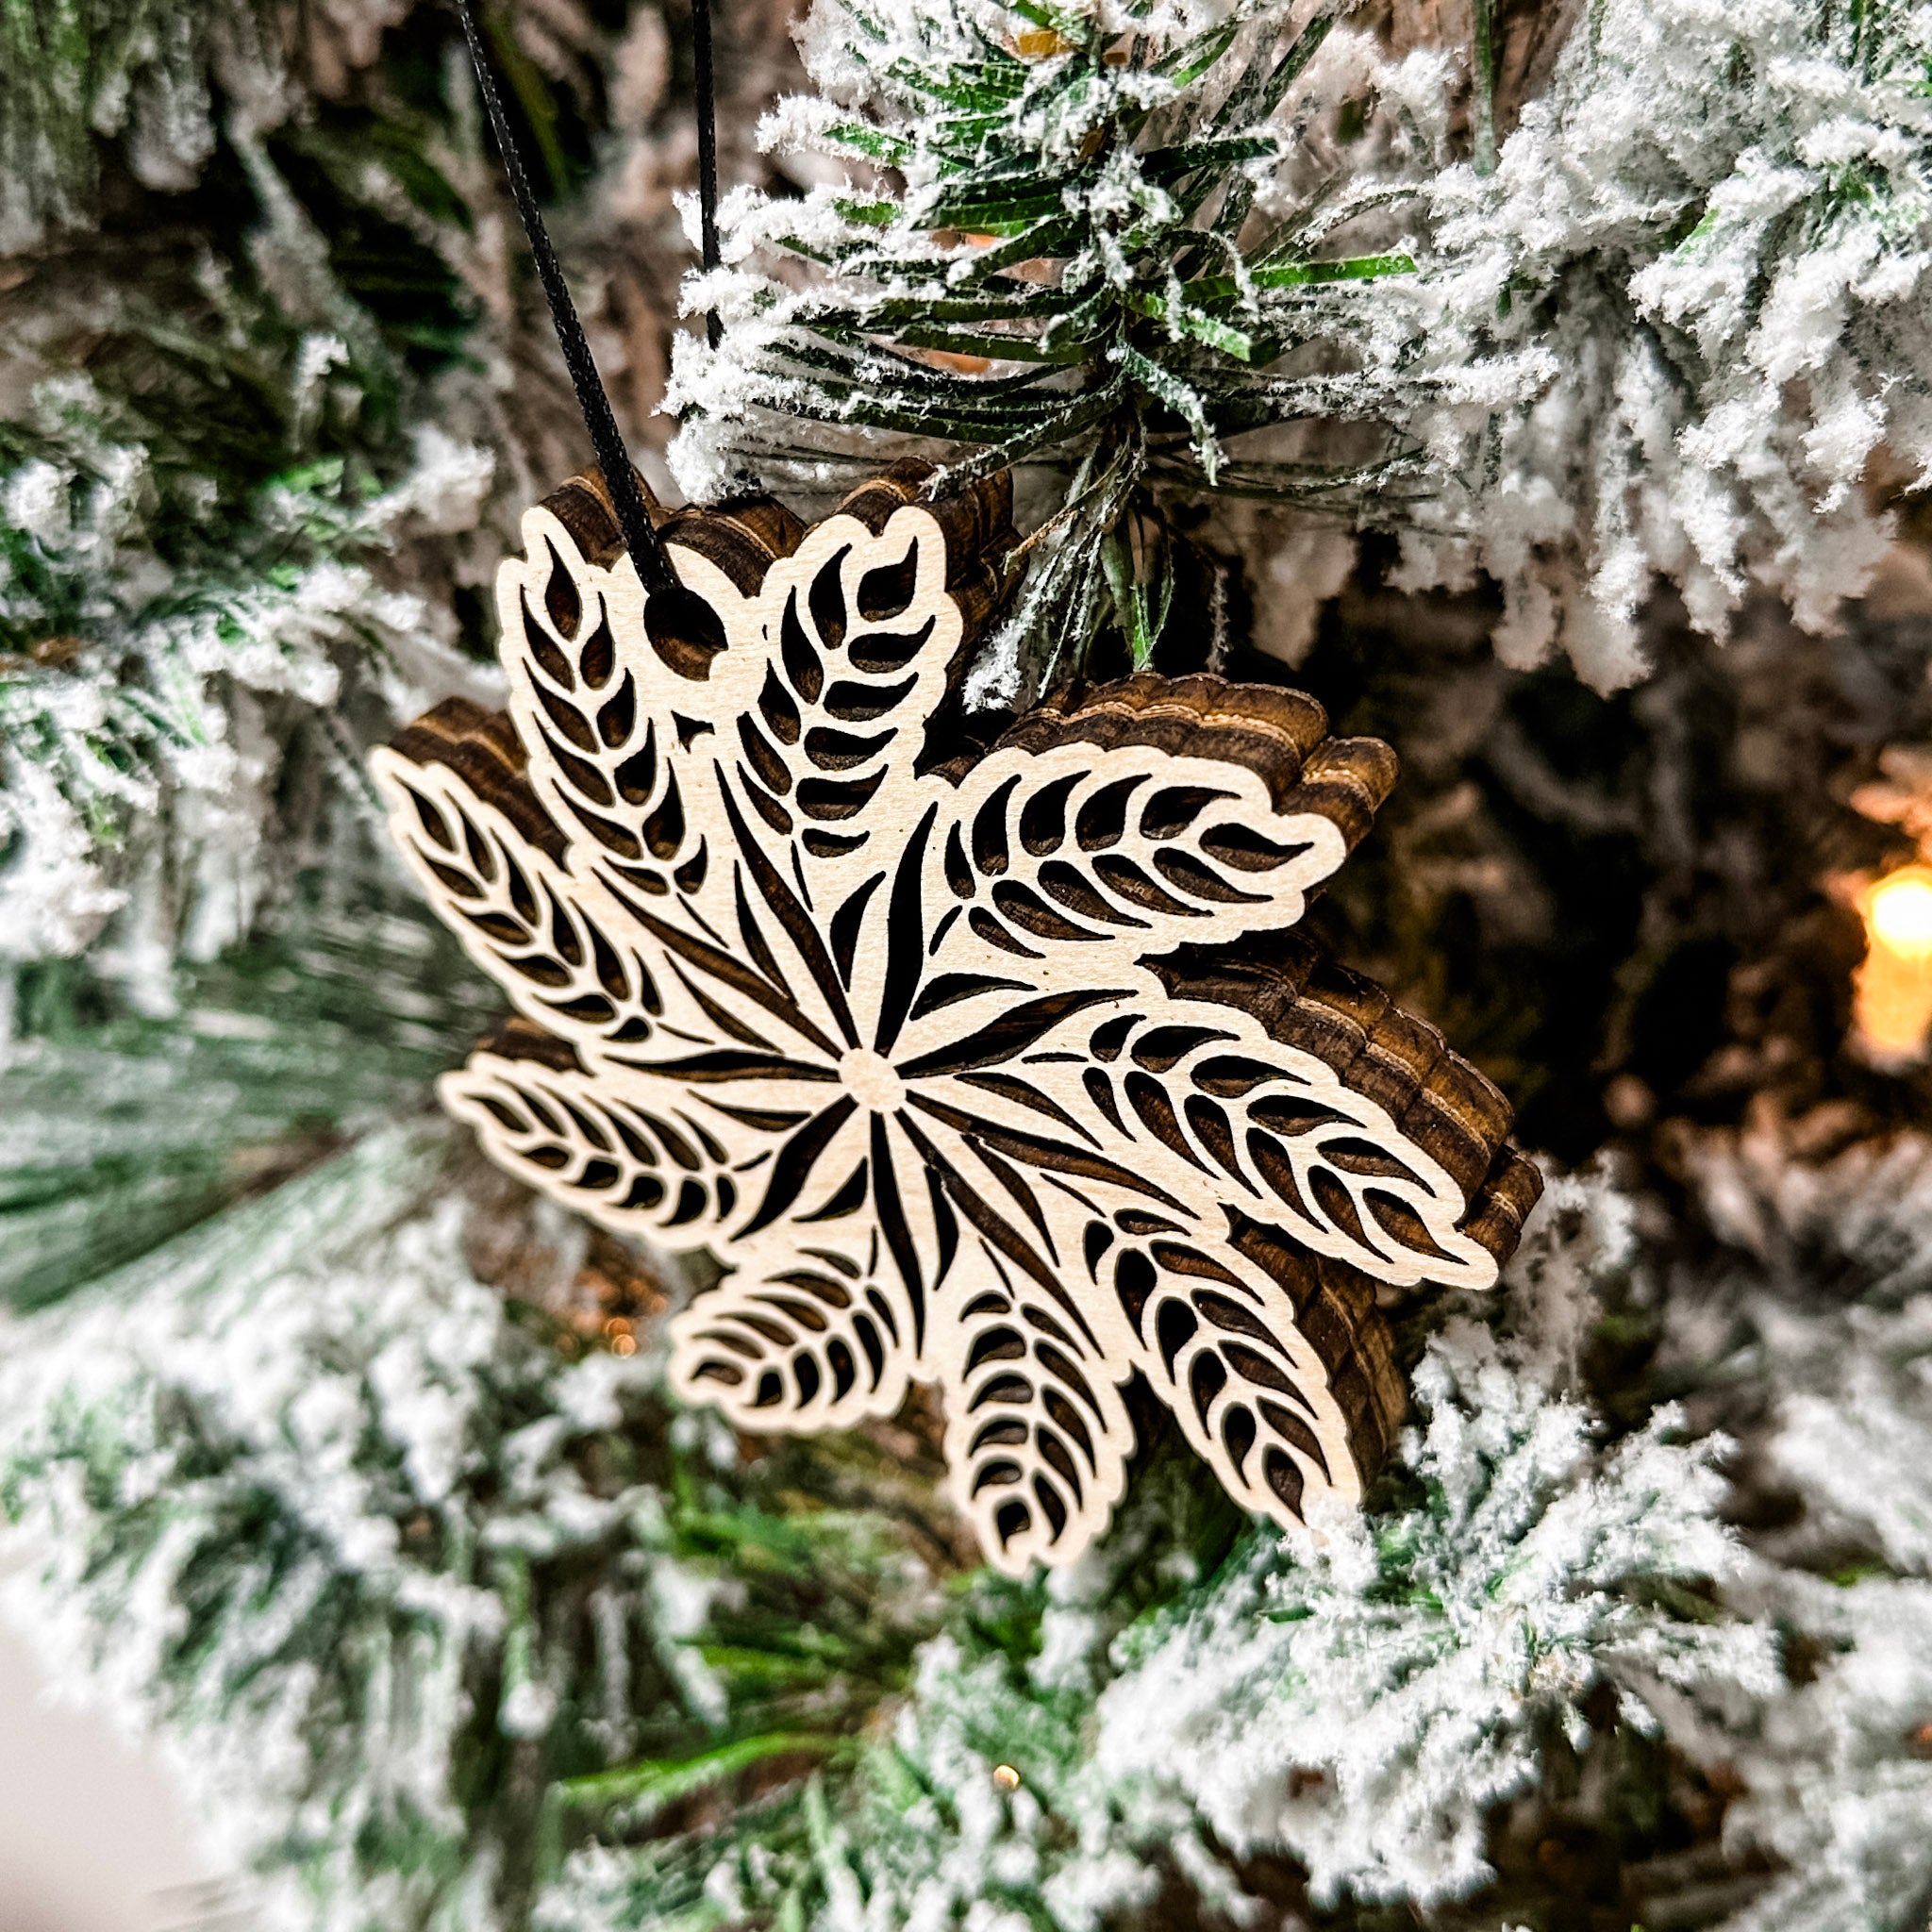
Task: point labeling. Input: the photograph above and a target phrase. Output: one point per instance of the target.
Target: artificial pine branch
(1081, 251)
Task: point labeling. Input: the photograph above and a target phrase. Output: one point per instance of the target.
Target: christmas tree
(1547, 392)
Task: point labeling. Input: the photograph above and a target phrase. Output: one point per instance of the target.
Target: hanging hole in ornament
(684, 631)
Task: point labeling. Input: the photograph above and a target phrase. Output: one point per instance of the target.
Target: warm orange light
(1892, 989)
(1899, 911)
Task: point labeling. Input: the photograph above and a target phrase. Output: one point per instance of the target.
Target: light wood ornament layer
(1004, 1074)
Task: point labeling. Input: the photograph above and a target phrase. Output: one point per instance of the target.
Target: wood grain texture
(1005, 1073)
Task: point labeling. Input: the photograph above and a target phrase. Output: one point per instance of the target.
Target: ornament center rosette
(1003, 1071)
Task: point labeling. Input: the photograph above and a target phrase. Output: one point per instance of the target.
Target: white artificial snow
(1366, 1708)
(255, 1490)
(1663, 341)
(156, 725)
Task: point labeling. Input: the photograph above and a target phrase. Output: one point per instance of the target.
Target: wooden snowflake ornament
(1004, 1074)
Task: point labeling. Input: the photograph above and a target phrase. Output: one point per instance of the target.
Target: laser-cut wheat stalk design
(1002, 1075)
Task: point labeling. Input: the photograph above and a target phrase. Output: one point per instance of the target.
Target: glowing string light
(1892, 989)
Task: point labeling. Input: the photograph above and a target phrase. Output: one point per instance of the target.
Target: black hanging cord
(705, 87)
(652, 563)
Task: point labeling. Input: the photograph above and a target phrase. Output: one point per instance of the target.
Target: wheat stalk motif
(1001, 1072)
